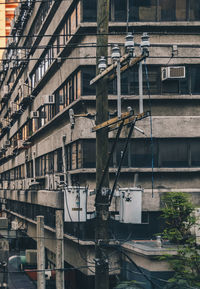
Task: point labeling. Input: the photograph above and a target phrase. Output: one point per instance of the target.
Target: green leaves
(177, 213)
(179, 219)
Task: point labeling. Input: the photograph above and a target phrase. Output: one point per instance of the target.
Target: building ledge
(138, 170)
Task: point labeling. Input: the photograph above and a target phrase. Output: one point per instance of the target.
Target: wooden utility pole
(40, 253)
(101, 202)
(59, 250)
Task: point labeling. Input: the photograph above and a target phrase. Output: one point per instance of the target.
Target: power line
(62, 35)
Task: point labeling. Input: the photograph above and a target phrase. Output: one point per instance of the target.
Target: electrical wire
(49, 270)
(64, 35)
(139, 269)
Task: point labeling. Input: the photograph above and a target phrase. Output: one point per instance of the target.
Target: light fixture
(102, 65)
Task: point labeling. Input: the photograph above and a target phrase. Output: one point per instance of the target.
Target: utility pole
(40, 253)
(102, 200)
(59, 250)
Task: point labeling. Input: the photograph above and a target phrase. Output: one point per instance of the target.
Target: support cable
(121, 159)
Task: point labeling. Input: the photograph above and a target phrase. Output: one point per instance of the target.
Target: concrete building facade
(46, 70)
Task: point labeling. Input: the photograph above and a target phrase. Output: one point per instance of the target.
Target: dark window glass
(89, 10)
(195, 76)
(181, 10)
(143, 10)
(194, 12)
(59, 160)
(170, 86)
(141, 153)
(87, 74)
(167, 10)
(151, 75)
(173, 153)
(89, 154)
(120, 10)
(195, 153)
(51, 162)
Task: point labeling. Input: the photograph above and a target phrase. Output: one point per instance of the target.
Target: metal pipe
(140, 88)
(119, 111)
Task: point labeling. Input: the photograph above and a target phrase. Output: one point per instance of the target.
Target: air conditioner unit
(5, 185)
(6, 89)
(49, 99)
(34, 114)
(11, 41)
(17, 13)
(172, 72)
(11, 64)
(7, 143)
(20, 143)
(14, 225)
(4, 147)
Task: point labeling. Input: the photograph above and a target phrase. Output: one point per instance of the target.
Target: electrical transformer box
(75, 204)
(130, 210)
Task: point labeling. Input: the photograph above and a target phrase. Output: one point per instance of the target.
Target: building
(47, 73)
(7, 9)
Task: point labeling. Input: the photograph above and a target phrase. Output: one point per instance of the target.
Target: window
(143, 10)
(173, 153)
(181, 10)
(59, 161)
(87, 74)
(89, 154)
(141, 153)
(168, 8)
(194, 12)
(195, 153)
(120, 10)
(195, 83)
(89, 10)
(50, 158)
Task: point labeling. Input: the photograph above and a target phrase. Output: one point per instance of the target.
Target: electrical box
(172, 72)
(75, 204)
(130, 210)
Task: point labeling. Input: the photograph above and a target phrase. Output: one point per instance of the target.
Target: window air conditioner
(49, 99)
(6, 89)
(34, 114)
(7, 143)
(172, 72)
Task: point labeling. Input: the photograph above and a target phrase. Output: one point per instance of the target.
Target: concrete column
(59, 250)
(40, 253)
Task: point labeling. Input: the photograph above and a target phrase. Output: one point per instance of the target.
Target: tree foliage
(178, 215)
